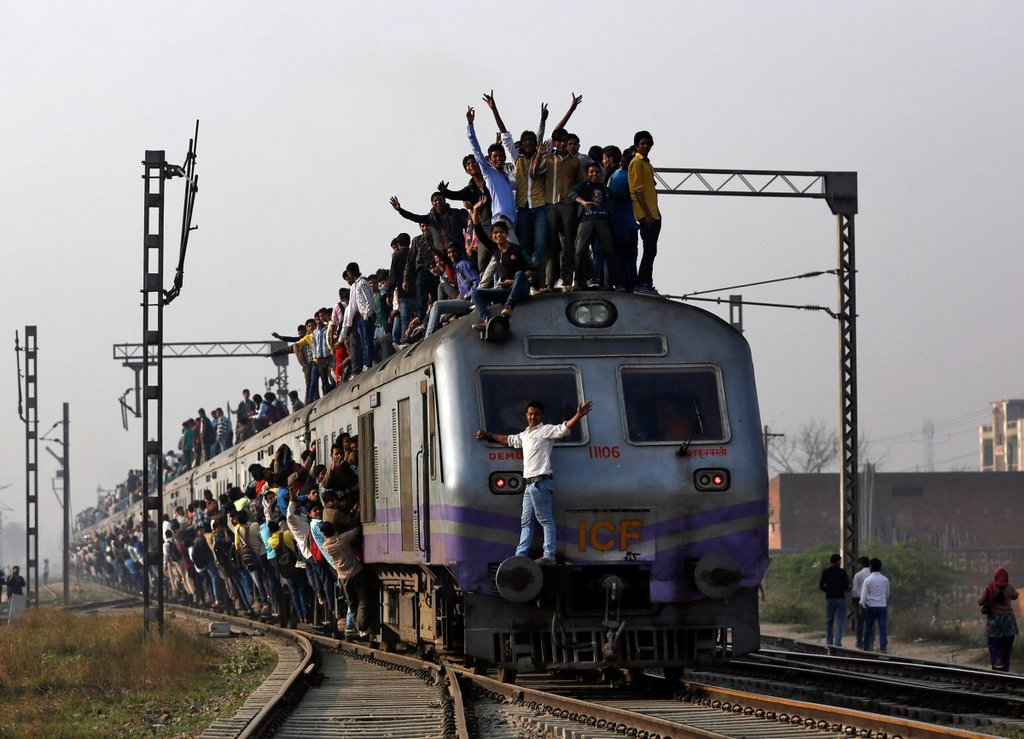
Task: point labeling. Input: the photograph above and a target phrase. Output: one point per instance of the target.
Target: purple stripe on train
(471, 559)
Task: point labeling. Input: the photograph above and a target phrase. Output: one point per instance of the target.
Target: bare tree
(814, 448)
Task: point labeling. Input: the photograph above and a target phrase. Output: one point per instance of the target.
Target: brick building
(976, 518)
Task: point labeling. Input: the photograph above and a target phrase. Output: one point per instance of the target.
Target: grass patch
(87, 675)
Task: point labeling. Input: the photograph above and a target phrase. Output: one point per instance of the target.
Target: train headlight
(506, 483)
(714, 480)
(591, 313)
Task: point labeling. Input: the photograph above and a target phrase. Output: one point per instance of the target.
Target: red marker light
(500, 482)
(717, 480)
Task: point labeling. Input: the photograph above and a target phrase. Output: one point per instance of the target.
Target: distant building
(1001, 441)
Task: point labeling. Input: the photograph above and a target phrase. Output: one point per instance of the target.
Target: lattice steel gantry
(29, 414)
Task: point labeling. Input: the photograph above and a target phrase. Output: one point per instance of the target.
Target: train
(661, 492)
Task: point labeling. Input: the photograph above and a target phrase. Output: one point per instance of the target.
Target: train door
(404, 473)
(412, 471)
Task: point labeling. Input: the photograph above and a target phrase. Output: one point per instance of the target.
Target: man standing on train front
(537, 441)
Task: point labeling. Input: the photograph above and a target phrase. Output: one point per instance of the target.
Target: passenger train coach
(660, 492)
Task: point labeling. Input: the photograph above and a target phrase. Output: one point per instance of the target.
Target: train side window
(672, 405)
(367, 469)
(504, 393)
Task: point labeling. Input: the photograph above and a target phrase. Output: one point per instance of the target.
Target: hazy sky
(313, 114)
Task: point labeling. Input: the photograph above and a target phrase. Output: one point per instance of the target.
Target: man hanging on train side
(537, 441)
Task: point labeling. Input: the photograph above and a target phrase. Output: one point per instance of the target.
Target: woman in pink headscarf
(1002, 626)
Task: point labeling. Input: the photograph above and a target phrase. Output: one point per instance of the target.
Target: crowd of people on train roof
(286, 547)
(536, 215)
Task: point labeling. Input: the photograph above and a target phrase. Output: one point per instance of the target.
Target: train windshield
(673, 404)
(504, 393)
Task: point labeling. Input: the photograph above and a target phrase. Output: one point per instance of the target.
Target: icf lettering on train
(605, 535)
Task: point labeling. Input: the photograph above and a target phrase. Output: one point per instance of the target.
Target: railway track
(914, 689)
(325, 687)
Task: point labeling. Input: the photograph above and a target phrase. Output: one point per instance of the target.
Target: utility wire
(762, 282)
(821, 308)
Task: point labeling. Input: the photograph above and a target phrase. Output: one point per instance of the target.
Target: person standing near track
(874, 596)
(864, 569)
(1000, 626)
(835, 582)
(537, 441)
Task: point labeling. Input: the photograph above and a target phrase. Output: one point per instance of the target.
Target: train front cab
(660, 502)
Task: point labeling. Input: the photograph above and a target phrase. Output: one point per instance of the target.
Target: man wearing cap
(537, 441)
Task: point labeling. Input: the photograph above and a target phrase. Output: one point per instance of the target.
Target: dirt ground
(935, 651)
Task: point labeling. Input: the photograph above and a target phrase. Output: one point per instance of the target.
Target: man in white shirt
(537, 441)
(858, 609)
(360, 317)
(874, 596)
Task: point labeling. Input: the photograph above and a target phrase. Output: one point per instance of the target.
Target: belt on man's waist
(538, 478)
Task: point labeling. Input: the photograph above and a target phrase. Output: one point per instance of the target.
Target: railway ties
(359, 699)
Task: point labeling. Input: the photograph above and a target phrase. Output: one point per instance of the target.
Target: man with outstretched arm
(537, 441)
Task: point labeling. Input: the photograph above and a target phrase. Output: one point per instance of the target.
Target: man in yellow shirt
(645, 209)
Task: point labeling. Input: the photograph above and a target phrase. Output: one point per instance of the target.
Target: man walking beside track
(835, 582)
(537, 442)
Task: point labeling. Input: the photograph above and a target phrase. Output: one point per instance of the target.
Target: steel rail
(890, 725)
(255, 725)
(639, 721)
(461, 724)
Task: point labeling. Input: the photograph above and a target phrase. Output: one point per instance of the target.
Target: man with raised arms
(537, 441)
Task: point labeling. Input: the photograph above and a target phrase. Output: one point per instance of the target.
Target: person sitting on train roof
(258, 423)
(281, 410)
(243, 427)
(467, 280)
(514, 274)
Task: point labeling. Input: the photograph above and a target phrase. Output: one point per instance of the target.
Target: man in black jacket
(835, 583)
